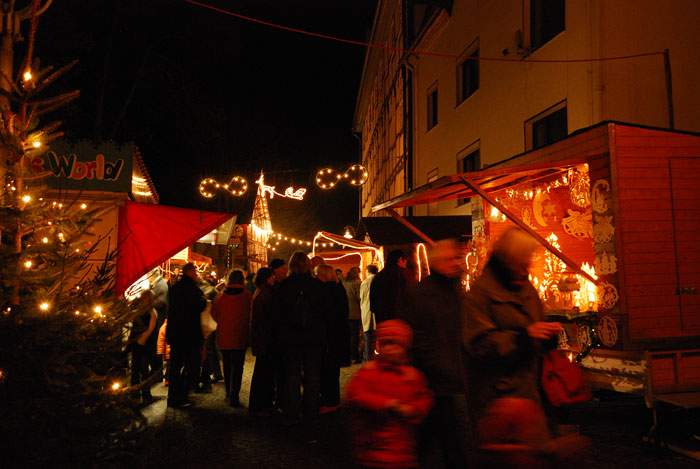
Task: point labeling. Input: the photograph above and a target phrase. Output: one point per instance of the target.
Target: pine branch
(54, 76)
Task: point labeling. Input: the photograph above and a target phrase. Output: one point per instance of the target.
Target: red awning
(490, 180)
(150, 234)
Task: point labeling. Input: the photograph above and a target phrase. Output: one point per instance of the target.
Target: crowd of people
(450, 378)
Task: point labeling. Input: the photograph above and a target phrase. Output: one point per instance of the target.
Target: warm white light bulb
(44, 306)
(116, 386)
(26, 198)
(36, 144)
(27, 75)
(83, 206)
(28, 264)
(45, 240)
(97, 309)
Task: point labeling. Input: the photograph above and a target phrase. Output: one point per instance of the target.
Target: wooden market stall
(618, 208)
(351, 252)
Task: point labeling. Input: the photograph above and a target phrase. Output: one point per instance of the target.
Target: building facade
(381, 109)
(490, 79)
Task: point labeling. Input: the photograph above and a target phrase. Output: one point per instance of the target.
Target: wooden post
(411, 227)
(522, 225)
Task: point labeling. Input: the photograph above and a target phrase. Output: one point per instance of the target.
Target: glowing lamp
(44, 306)
(97, 309)
(116, 386)
(28, 264)
(45, 240)
(26, 198)
(27, 75)
(83, 206)
(36, 144)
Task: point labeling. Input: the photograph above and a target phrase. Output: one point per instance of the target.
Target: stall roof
(387, 231)
(148, 234)
(493, 179)
(349, 242)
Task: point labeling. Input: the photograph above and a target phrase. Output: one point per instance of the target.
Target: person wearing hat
(279, 269)
(391, 398)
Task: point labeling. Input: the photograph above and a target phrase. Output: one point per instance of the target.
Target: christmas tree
(61, 329)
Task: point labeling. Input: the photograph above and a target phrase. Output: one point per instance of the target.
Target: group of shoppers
(479, 353)
(456, 372)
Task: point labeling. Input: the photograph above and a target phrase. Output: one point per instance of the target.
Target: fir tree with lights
(62, 396)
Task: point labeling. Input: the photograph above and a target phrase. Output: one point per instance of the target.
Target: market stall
(352, 252)
(617, 208)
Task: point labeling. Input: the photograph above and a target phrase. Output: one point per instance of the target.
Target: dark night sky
(203, 94)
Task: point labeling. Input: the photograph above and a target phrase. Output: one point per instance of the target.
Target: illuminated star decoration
(289, 192)
(327, 178)
(237, 186)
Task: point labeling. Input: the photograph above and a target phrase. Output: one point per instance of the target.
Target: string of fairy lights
(355, 175)
(326, 178)
(275, 238)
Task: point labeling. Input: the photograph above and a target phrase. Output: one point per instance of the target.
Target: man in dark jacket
(434, 313)
(184, 334)
(300, 319)
(388, 290)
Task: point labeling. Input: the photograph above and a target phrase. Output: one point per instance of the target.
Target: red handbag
(562, 379)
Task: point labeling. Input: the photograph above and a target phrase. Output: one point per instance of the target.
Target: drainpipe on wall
(358, 136)
(669, 89)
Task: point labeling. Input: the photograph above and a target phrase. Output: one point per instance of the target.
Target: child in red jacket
(392, 398)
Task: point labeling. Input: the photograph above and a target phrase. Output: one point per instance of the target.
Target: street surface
(212, 434)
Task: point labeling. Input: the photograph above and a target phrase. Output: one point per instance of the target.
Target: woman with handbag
(505, 337)
(231, 311)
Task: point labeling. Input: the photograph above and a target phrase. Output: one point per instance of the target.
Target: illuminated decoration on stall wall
(607, 331)
(237, 186)
(606, 264)
(598, 196)
(577, 224)
(561, 290)
(355, 175)
(421, 249)
(580, 186)
(496, 216)
(472, 267)
(289, 192)
(603, 229)
(607, 296)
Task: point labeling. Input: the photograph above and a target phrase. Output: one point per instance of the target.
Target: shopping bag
(562, 379)
(207, 321)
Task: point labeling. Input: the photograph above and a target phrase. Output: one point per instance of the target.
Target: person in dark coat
(301, 311)
(352, 289)
(337, 352)
(184, 335)
(143, 339)
(387, 293)
(262, 386)
(435, 313)
(505, 336)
